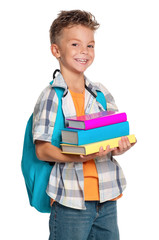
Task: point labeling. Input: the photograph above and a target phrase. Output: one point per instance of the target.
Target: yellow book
(93, 147)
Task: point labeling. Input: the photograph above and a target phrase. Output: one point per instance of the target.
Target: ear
(55, 50)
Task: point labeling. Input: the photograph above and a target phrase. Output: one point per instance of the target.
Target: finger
(120, 147)
(101, 151)
(129, 145)
(107, 149)
(128, 142)
(124, 142)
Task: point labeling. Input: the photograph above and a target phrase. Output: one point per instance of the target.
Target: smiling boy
(75, 51)
(83, 189)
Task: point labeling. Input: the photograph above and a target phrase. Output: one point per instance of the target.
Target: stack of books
(86, 134)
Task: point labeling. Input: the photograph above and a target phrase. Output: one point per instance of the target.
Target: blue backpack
(36, 172)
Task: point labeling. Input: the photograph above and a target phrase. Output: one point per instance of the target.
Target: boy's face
(75, 49)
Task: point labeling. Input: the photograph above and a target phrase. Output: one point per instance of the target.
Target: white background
(127, 63)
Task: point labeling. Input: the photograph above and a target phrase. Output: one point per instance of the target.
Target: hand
(101, 153)
(124, 145)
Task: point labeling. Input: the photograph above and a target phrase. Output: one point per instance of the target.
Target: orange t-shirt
(91, 187)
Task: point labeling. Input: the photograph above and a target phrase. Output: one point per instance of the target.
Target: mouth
(81, 60)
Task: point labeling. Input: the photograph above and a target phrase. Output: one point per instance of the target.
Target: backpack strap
(60, 120)
(101, 99)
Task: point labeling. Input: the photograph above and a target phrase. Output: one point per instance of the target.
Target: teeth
(81, 60)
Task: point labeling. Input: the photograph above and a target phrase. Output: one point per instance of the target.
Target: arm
(45, 151)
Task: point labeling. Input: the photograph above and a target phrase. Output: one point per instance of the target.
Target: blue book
(80, 137)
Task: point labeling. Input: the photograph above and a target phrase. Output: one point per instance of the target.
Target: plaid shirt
(66, 183)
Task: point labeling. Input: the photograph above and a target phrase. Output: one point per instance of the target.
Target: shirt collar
(59, 81)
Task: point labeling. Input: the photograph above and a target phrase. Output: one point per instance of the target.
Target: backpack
(36, 172)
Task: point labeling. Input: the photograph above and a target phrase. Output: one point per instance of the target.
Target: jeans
(97, 222)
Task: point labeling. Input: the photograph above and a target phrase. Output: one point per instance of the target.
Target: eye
(90, 46)
(74, 44)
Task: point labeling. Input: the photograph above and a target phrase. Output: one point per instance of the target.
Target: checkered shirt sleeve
(44, 115)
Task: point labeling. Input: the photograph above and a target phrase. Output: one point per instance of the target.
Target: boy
(83, 189)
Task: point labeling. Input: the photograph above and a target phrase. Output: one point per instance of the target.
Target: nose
(84, 50)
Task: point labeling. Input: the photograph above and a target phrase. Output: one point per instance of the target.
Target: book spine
(105, 121)
(103, 133)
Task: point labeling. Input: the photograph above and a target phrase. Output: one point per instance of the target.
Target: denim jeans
(97, 222)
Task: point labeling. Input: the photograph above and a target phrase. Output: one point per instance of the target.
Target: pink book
(96, 120)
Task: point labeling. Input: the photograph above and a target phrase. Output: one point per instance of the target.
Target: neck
(74, 81)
